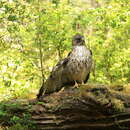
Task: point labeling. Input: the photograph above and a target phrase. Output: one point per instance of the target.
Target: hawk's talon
(82, 83)
(76, 85)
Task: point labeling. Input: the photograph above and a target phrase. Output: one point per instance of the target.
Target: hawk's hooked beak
(78, 40)
(83, 39)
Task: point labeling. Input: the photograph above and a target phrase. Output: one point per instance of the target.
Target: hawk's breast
(79, 64)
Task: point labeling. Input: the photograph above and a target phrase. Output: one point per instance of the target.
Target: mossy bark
(85, 108)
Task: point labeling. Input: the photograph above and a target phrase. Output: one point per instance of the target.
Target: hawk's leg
(82, 82)
(76, 84)
(62, 89)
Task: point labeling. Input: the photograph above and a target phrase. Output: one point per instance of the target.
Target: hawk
(74, 69)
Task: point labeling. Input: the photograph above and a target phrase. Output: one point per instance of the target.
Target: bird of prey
(74, 69)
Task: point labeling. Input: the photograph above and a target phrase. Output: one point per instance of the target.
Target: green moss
(118, 105)
(18, 127)
(15, 115)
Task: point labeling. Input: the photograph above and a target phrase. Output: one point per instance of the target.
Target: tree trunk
(85, 108)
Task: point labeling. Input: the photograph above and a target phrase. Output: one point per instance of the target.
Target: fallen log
(85, 108)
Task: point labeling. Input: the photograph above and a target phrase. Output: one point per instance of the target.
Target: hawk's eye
(78, 39)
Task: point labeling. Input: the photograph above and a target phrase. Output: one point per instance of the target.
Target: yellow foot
(82, 83)
(62, 89)
(76, 85)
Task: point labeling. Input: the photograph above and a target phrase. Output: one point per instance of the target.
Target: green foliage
(18, 127)
(10, 115)
(34, 35)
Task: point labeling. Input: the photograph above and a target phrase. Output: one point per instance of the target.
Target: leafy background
(35, 34)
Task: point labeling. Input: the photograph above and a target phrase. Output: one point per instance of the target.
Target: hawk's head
(78, 40)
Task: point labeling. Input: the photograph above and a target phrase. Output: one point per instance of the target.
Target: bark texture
(85, 108)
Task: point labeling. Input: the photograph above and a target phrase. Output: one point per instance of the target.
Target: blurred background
(35, 34)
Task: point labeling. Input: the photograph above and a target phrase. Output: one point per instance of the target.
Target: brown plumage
(74, 68)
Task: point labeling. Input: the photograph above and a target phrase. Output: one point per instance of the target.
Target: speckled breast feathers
(79, 64)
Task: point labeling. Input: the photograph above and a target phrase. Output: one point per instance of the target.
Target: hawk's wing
(54, 82)
(87, 77)
(61, 75)
(61, 64)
